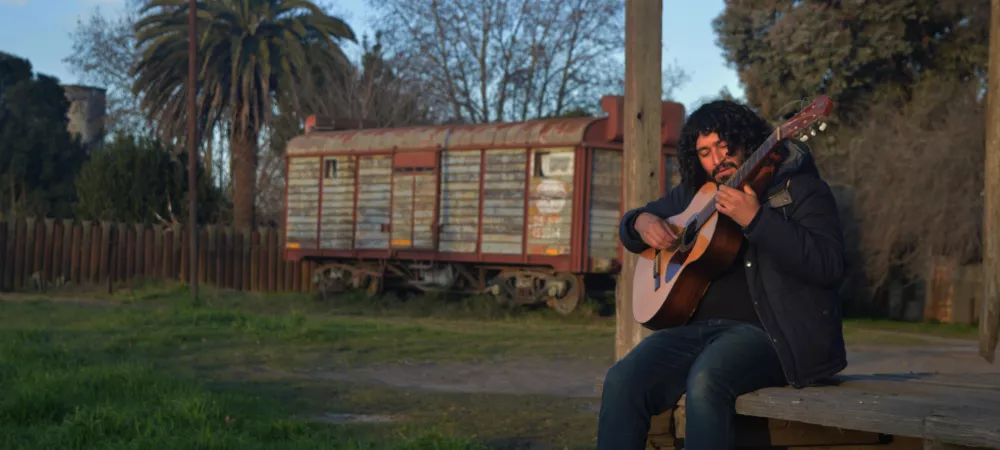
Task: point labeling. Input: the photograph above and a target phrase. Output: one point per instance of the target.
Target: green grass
(917, 329)
(145, 368)
(60, 392)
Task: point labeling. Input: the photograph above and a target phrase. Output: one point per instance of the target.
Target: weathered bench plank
(962, 410)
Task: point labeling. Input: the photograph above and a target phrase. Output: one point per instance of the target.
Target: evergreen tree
(135, 179)
(856, 52)
(39, 158)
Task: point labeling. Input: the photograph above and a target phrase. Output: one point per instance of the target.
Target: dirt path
(569, 378)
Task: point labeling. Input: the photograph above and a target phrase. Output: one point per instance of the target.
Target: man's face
(714, 155)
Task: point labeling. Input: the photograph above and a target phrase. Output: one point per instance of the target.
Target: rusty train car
(526, 211)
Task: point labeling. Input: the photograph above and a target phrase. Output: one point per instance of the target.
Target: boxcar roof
(535, 133)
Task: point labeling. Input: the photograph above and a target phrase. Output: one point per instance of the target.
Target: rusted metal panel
(423, 159)
(459, 208)
(303, 201)
(550, 207)
(374, 192)
(503, 201)
(562, 131)
(605, 203)
(337, 222)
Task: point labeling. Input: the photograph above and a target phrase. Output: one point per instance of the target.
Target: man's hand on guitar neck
(654, 231)
(741, 206)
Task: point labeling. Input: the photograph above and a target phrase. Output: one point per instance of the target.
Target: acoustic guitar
(668, 284)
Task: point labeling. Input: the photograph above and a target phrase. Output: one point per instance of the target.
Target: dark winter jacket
(794, 262)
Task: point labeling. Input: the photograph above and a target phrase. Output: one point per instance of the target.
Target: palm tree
(252, 54)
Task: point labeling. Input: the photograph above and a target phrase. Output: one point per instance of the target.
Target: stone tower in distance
(87, 106)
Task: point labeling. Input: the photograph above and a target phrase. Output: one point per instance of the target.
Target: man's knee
(622, 380)
(703, 387)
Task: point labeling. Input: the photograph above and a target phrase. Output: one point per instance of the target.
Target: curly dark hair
(737, 124)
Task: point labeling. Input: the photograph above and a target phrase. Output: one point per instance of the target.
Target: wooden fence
(50, 252)
(954, 292)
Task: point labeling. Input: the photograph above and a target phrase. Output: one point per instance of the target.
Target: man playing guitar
(771, 319)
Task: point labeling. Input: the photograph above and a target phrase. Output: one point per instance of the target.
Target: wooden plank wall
(303, 200)
(402, 209)
(57, 252)
(374, 190)
(503, 201)
(424, 190)
(605, 203)
(954, 293)
(459, 206)
(550, 210)
(337, 229)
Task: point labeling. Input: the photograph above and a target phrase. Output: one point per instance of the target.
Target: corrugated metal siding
(605, 203)
(338, 203)
(303, 201)
(550, 207)
(503, 202)
(374, 182)
(459, 207)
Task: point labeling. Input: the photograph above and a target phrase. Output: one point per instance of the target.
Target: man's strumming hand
(741, 206)
(654, 231)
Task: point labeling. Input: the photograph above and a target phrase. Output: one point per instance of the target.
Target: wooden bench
(890, 411)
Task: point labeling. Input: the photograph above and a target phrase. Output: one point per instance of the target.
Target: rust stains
(537, 133)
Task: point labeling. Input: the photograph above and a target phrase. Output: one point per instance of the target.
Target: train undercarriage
(508, 285)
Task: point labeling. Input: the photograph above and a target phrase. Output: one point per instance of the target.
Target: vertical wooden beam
(641, 155)
(990, 313)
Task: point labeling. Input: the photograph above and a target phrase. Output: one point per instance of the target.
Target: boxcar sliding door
(414, 199)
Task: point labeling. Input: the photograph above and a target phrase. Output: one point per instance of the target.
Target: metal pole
(192, 155)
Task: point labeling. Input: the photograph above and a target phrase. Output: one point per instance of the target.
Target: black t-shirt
(728, 297)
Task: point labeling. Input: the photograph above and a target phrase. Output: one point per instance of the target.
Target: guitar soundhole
(689, 235)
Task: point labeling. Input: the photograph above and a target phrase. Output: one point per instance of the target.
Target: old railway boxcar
(526, 211)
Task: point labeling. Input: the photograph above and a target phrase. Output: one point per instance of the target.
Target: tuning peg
(822, 126)
(805, 137)
(812, 132)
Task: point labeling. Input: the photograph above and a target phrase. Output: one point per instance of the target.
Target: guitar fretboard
(737, 179)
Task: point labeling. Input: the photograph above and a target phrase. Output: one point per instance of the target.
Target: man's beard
(723, 166)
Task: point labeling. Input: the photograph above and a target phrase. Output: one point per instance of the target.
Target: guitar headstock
(807, 121)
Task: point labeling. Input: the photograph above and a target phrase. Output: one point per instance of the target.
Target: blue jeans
(713, 362)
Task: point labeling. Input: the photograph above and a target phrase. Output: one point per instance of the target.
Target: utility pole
(641, 163)
(192, 152)
(989, 315)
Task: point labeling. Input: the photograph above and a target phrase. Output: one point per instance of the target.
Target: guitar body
(685, 271)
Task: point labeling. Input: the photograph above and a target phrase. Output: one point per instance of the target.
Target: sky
(39, 30)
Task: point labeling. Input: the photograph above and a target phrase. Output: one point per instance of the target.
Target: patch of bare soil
(958, 357)
(572, 378)
(563, 378)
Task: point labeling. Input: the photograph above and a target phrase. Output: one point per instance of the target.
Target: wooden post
(641, 156)
(990, 313)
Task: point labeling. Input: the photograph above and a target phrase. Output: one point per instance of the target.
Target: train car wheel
(505, 289)
(569, 295)
(329, 281)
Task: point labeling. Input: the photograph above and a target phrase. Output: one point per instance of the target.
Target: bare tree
(918, 180)
(501, 60)
(372, 90)
(104, 54)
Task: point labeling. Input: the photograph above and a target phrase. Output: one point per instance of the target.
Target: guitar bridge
(656, 271)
